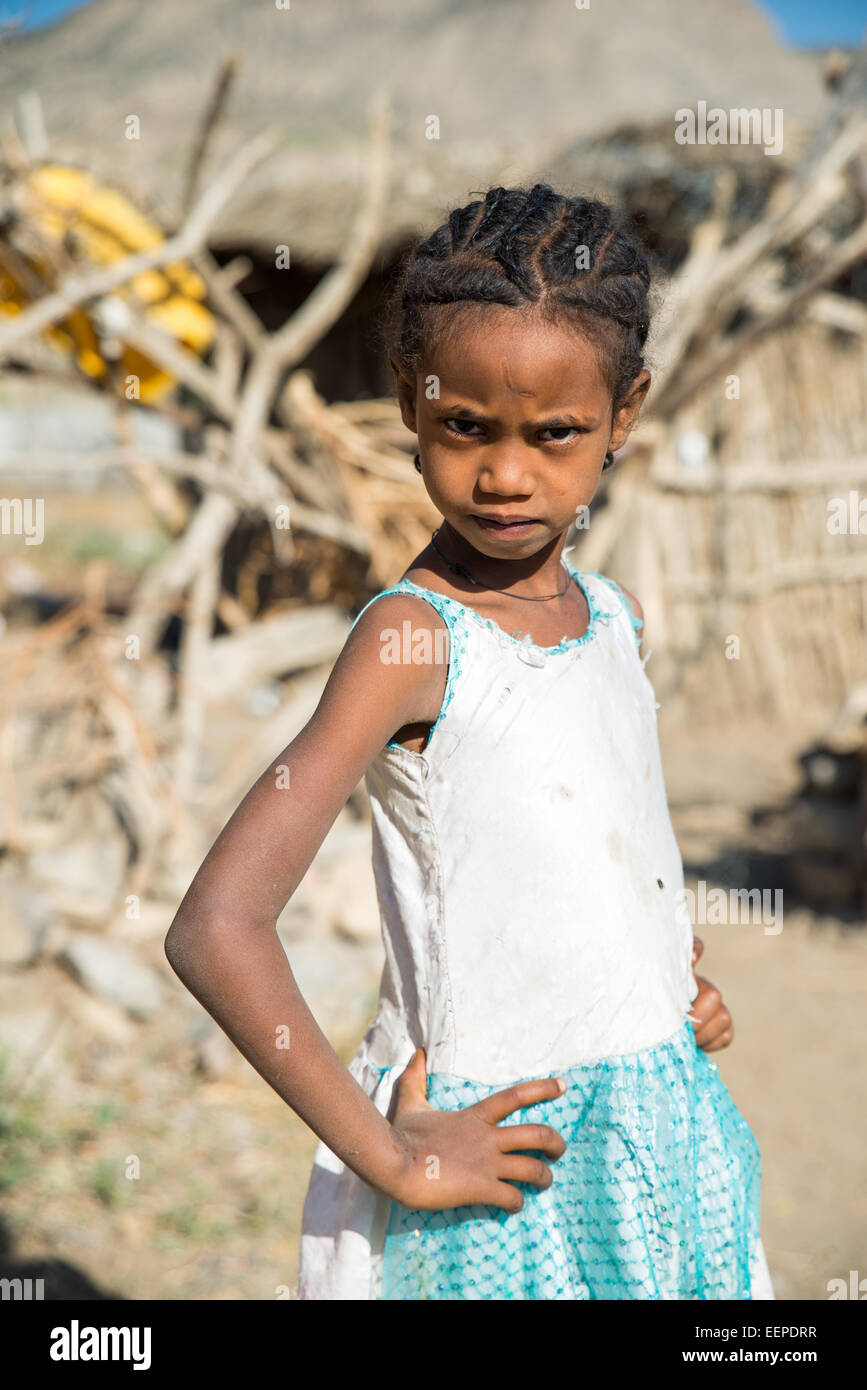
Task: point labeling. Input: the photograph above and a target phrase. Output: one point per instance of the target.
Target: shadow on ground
(62, 1282)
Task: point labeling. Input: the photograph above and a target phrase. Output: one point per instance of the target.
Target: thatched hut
(123, 90)
(743, 541)
(718, 513)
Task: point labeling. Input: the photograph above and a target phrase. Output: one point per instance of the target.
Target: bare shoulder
(636, 606)
(394, 664)
(392, 611)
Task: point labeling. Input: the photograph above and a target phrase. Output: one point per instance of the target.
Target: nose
(506, 471)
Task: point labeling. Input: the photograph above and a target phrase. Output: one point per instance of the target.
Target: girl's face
(518, 429)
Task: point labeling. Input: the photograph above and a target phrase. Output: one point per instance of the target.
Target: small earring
(609, 459)
(417, 462)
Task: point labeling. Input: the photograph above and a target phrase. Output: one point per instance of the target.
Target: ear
(406, 389)
(627, 414)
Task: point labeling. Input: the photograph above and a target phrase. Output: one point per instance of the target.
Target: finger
(706, 1003)
(541, 1137)
(411, 1085)
(697, 949)
(722, 1041)
(523, 1168)
(502, 1103)
(506, 1197)
(721, 1021)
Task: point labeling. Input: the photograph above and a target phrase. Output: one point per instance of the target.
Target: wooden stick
(340, 436)
(809, 475)
(729, 349)
(225, 297)
(785, 574)
(324, 305)
(93, 284)
(198, 629)
(168, 577)
(208, 125)
(240, 491)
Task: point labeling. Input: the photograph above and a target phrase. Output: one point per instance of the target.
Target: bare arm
(224, 945)
(223, 942)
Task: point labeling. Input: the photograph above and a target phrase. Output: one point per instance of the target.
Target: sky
(803, 23)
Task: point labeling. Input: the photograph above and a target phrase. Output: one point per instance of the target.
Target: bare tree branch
(77, 290)
(326, 303)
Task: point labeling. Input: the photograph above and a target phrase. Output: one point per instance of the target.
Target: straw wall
(736, 552)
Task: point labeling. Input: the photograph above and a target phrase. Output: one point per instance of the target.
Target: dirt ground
(147, 1179)
(797, 1000)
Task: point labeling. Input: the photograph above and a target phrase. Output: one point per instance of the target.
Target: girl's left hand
(711, 1019)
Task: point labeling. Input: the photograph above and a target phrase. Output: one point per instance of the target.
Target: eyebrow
(561, 421)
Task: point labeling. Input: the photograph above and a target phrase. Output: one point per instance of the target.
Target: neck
(539, 573)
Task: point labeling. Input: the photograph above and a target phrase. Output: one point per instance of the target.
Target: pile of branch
(729, 293)
(725, 297)
(331, 489)
(269, 445)
(99, 747)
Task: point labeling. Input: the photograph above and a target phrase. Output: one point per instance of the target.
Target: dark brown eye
(561, 429)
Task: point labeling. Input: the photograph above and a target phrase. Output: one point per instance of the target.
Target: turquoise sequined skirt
(656, 1196)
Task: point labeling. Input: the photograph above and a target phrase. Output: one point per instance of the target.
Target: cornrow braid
(493, 198)
(523, 247)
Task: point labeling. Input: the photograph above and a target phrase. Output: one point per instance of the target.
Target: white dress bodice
(528, 877)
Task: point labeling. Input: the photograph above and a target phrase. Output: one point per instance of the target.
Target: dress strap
(443, 605)
(637, 624)
(451, 613)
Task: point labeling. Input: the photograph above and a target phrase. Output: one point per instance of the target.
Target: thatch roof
(513, 86)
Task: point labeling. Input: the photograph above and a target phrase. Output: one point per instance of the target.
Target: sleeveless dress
(530, 892)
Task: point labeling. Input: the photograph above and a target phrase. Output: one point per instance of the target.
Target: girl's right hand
(456, 1157)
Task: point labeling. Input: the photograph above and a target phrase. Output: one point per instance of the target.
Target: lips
(494, 523)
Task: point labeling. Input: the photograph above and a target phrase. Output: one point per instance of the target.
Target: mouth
(508, 526)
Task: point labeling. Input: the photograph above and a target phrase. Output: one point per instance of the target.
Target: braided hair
(521, 248)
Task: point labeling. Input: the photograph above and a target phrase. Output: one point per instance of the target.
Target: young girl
(531, 1114)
